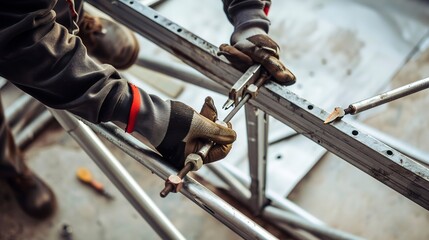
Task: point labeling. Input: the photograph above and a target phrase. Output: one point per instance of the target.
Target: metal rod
(235, 185)
(182, 72)
(118, 175)
(12, 112)
(320, 231)
(309, 222)
(276, 200)
(298, 235)
(23, 113)
(237, 108)
(239, 191)
(289, 218)
(33, 128)
(197, 193)
(388, 96)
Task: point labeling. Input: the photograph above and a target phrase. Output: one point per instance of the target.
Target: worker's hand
(258, 48)
(188, 131)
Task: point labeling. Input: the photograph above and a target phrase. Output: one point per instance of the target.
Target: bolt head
(176, 181)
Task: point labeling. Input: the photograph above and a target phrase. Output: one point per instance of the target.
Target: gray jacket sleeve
(247, 14)
(40, 57)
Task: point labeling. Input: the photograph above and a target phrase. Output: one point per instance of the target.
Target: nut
(196, 161)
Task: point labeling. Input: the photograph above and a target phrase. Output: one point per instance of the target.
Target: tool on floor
(378, 100)
(245, 88)
(85, 176)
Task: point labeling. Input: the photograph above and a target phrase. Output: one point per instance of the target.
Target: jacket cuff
(246, 19)
(145, 114)
(134, 109)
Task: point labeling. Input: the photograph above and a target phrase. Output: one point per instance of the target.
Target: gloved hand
(172, 127)
(258, 48)
(189, 131)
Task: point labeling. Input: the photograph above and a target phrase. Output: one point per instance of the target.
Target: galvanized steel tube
(389, 96)
(197, 193)
(118, 175)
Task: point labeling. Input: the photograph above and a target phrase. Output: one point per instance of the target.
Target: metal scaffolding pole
(214, 205)
(181, 72)
(117, 174)
(320, 231)
(230, 172)
(257, 144)
(197, 193)
(361, 150)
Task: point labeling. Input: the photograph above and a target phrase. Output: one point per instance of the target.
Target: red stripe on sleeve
(72, 9)
(135, 107)
(266, 9)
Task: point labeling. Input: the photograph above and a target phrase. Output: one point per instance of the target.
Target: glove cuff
(181, 115)
(242, 34)
(253, 19)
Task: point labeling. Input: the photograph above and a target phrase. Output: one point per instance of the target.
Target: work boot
(108, 41)
(33, 195)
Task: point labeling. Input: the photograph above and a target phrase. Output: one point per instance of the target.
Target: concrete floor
(334, 191)
(348, 199)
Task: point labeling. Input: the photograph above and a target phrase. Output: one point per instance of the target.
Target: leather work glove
(192, 131)
(173, 128)
(258, 48)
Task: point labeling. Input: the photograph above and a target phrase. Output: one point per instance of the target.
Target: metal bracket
(240, 87)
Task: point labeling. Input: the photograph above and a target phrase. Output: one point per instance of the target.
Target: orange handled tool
(85, 176)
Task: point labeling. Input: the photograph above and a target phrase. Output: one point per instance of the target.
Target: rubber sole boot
(109, 42)
(33, 195)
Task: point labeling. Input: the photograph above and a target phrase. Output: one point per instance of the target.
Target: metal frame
(99, 153)
(197, 193)
(87, 139)
(361, 150)
(368, 154)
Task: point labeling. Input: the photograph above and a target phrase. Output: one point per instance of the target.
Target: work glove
(191, 130)
(173, 128)
(258, 48)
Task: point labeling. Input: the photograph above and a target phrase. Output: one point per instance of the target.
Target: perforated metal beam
(361, 150)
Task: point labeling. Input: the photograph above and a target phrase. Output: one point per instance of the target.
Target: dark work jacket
(39, 56)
